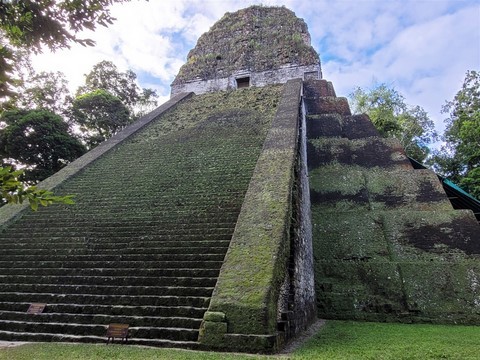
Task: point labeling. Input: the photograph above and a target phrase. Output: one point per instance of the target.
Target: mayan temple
(238, 212)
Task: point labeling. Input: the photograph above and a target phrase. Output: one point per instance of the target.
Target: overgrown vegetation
(392, 117)
(459, 158)
(13, 191)
(260, 39)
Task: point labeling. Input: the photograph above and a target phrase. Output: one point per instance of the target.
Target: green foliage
(100, 115)
(44, 90)
(459, 159)
(29, 25)
(15, 192)
(123, 85)
(55, 24)
(392, 117)
(39, 140)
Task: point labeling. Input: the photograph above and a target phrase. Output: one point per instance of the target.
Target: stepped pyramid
(233, 214)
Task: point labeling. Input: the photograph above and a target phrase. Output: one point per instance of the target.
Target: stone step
(110, 310)
(177, 182)
(335, 125)
(50, 337)
(212, 211)
(157, 321)
(79, 247)
(327, 105)
(124, 244)
(169, 261)
(164, 217)
(182, 334)
(380, 189)
(368, 153)
(318, 88)
(24, 234)
(177, 256)
(110, 280)
(137, 300)
(112, 272)
(47, 219)
(107, 289)
(88, 226)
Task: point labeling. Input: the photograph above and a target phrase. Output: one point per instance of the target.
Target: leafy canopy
(100, 115)
(106, 76)
(31, 25)
(44, 90)
(459, 159)
(392, 117)
(38, 140)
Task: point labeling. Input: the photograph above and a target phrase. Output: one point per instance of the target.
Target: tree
(100, 115)
(106, 76)
(30, 25)
(459, 159)
(38, 140)
(14, 191)
(392, 117)
(44, 90)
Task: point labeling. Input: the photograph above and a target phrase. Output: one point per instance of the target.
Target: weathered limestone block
(414, 189)
(336, 188)
(368, 153)
(358, 127)
(352, 236)
(443, 291)
(326, 125)
(314, 89)
(432, 235)
(328, 105)
(355, 289)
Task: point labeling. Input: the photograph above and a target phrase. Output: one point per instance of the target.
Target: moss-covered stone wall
(255, 39)
(388, 245)
(243, 311)
(261, 45)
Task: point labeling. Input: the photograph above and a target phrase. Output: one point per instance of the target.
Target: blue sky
(421, 47)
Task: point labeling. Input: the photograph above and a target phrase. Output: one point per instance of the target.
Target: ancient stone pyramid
(238, 210)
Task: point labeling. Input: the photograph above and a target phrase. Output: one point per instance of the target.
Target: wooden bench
(36, 308)
(117, 331)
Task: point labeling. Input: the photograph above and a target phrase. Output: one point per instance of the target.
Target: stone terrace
(147, 236)
(388, 245)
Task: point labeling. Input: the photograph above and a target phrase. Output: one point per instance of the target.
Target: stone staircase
(144, 243)
(388, 245)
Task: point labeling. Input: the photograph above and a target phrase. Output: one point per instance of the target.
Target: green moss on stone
(442, 290)
(255, 39)
(251, 276)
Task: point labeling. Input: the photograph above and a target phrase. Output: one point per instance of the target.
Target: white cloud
(423, 47)
(425, 60)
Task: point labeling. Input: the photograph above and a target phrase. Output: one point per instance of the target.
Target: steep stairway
(388, 244)
(145, 241)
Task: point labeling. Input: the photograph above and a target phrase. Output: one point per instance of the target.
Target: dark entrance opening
(243, 82)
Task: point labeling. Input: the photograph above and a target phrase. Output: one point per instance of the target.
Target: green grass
(336, 340)
(362, 340)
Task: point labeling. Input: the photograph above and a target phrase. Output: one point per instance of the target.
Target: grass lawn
(335, 340)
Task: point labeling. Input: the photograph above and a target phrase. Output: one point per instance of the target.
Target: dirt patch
(9, 344)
